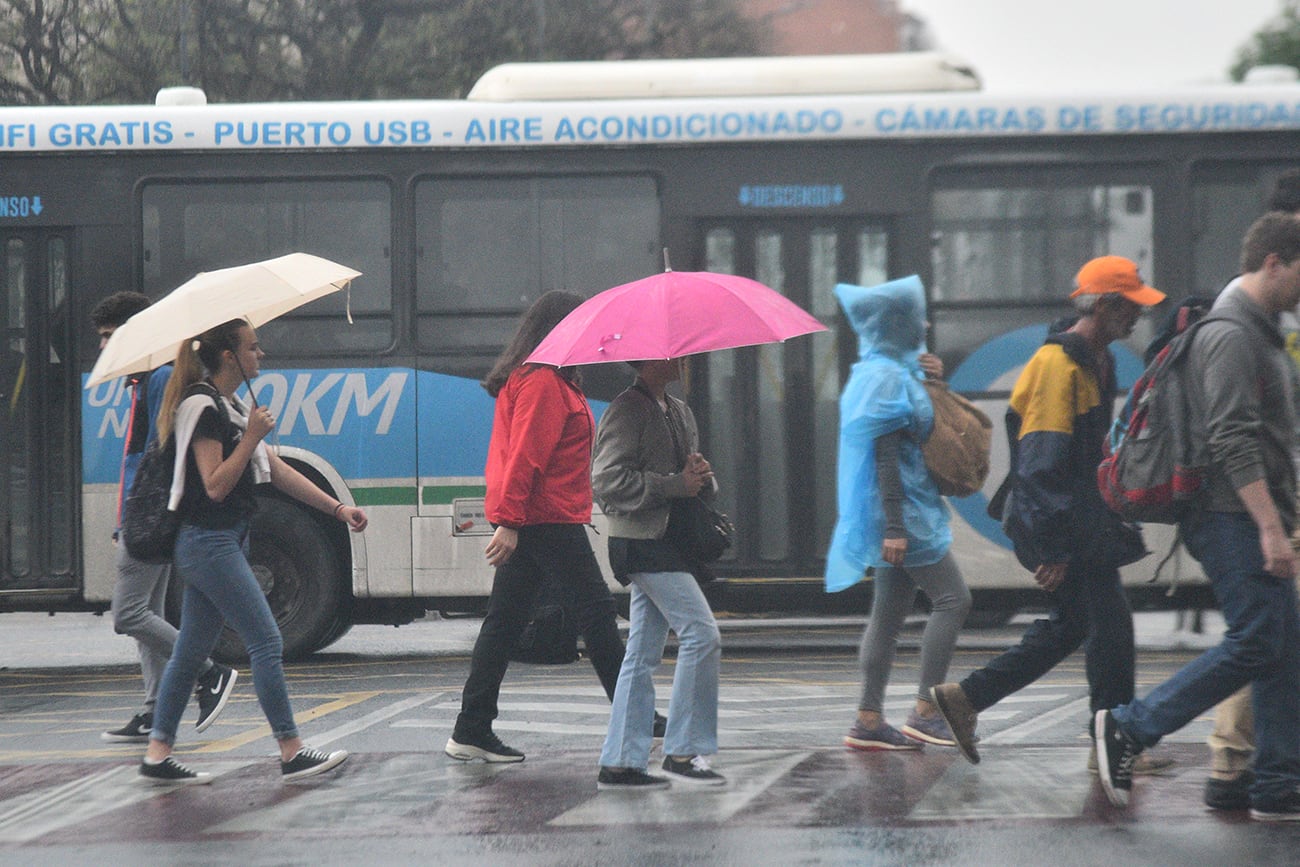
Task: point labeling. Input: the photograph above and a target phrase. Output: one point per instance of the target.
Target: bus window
(998, 247)
(487, 248)
(1226, 199)
(17, 451)
(193, 226)
(61, 500)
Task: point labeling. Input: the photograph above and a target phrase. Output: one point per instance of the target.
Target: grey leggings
(895, 592)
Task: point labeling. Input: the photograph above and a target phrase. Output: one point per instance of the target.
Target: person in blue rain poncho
(892, 518)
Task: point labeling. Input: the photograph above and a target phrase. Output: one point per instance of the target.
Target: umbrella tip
(667, 265)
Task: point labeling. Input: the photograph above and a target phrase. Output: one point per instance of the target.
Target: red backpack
(1155, 459)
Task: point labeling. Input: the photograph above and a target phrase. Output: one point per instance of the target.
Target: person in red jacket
(539, 500)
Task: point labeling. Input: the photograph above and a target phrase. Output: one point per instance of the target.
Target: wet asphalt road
(795, 795)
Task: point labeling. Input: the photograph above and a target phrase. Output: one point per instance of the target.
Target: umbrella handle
(667, 266)
(252, 397)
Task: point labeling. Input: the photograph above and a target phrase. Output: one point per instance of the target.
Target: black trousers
(561, 554)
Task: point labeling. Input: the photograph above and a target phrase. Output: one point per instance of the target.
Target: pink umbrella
(670, 315)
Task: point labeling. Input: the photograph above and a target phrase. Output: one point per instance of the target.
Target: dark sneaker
(1116, 754)
(630, 779)
(213, 691)
(1146, 765)
(170, 772)
(1231, 794)
(882, 737)
(929, 730)
(961, 718)
(661, 725)
(308, 762)
(1284, 809)
(693, 770)
(134, 732)
(488, 747)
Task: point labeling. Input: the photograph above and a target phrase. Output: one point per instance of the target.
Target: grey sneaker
(629, 779)
(929, 730)
(882, 737)
(961, 718)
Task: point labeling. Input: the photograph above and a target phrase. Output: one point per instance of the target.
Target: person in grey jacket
(646, 457)
(1240, 533)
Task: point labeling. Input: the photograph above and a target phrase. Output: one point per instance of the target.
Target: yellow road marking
(347, 699)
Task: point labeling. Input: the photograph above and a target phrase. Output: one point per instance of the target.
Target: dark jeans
(1261, 647)
(1089, 605)
(562, 554)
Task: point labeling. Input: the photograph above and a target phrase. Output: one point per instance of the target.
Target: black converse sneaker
(694, 769)
(629, 779)
(213, 691)
(170, 772)
(1115, 756)
(134, 732)
(485, 745)
(308, 762)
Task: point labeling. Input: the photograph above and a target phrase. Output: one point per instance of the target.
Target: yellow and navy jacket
(1060, 412)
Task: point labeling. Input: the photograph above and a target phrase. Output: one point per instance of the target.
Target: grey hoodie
(1248, 382)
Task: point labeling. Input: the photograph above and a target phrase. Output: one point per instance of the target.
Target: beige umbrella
(258, 292)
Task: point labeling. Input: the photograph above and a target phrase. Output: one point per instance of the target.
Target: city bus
(798, 172)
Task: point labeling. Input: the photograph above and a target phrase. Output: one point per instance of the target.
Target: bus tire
(302, 577)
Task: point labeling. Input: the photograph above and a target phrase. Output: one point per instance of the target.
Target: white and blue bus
(460, 213)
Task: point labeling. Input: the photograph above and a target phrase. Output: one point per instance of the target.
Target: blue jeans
(663, 601)
(219, 588)
(1089, 605)
(1261, 647)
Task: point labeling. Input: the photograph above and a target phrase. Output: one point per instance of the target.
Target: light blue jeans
(220, 587)
(663, 601)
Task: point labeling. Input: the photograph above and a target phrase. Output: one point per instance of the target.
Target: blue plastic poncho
(884, 394)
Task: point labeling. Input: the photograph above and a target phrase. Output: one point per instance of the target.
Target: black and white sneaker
(170, 772)
(486, 746)
(134, 732)
(1115, 756)
(213, 691)
(693, 770)
(308, 762)
(629, 779)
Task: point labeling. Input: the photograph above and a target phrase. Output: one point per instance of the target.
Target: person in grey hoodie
(1240, 533)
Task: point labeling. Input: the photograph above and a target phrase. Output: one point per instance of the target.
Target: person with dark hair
(140, 591)
(647, 460)
(1232, 742)
(539, 501)
(220, 457)
(1240, 532)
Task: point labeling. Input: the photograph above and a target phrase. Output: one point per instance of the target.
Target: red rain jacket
(539, 457)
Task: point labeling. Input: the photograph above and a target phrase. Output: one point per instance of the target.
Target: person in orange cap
(1051, 509)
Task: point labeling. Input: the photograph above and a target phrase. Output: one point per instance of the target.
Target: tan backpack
(957, 452)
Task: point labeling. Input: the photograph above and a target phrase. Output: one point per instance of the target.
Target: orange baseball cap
(1107, 274)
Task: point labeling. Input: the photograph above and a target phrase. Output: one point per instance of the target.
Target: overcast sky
(1089, 44)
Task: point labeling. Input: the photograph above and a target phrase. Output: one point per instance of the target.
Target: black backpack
(149, 528)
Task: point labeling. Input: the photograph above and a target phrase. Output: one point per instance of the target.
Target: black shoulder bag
(700, 532)
(149, 528)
